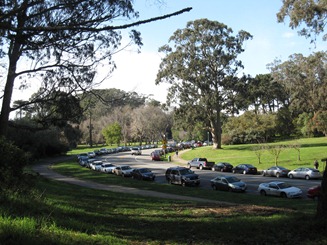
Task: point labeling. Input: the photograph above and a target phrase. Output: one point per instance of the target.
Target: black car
(182, 176)
(222, 167)
(245, 169)
(143, 174)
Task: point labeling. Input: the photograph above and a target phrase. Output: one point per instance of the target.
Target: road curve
(45, 170)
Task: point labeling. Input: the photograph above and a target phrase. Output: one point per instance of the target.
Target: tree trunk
(322, 200)
(216, 130)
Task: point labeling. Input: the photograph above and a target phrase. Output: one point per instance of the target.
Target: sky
(271, 40)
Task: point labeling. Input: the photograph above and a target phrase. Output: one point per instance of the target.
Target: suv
(182, 176)
(136, 151)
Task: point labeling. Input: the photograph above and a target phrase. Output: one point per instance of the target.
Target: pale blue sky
(271, 40)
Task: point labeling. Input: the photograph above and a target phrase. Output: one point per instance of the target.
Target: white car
(280, 189)
(136, 151)
(124, 170)
(96, 165)
(107, 167)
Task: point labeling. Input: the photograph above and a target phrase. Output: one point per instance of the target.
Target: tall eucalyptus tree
(202, 68)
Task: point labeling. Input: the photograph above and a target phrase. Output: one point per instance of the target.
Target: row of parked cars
(274, 171)
(184, 176)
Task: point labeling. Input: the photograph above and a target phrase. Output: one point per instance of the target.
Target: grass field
(57, 213)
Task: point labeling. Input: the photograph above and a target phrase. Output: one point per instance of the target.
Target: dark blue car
(245, 169)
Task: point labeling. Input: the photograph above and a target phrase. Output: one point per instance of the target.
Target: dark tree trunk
(322, 200)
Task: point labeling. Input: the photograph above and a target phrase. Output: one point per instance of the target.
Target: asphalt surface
(44, 169)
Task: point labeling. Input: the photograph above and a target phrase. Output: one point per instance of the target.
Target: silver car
(304, 173)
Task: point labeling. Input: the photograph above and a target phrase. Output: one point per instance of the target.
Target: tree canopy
(61, 43)
(202, 67)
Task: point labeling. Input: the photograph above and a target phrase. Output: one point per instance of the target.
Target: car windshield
(185, 171)
(283, 185)
(232, 179)
(126, 167)
(144, 170)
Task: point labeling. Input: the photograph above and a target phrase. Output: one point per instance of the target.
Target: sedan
(228, 183)
(107, 167)
(245, 169)
(280, 189)
(304, 173)
(124, 171)
(276, 171)
(314, 192)
(143, 174)
(222, 167)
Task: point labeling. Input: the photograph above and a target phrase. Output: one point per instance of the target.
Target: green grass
(58, 213)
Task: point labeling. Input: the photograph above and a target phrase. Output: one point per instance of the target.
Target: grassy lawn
(57, 213)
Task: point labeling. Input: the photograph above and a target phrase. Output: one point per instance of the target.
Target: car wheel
(307, 177)
(214, 187)
(183, 183)
(230, 189)
(200, 167)
(277, 175)
(169, 181)
(291, 176)
(234, 171)
(189, 166)
(263, 193)
(283, 195)
(244, 172)
(263, 174)
(122, 175)
(221, 170)
(213, 169)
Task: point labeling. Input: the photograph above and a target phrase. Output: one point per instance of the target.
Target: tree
(61, 42)
(112, 134)
(202, 68)
(305, 80)
(308, 12)
(275, 151)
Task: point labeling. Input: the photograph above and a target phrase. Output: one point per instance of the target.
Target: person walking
(316, 164)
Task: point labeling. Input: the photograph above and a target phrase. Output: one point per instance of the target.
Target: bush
(12, 162)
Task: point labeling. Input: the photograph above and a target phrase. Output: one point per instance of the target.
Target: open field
(58, 213)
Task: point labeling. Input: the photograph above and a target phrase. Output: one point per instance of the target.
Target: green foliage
(112, 134)
(305, 12)
(12, 162)
(202, 68)
(250, 128)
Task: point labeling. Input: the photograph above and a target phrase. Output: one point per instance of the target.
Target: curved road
(45, 170)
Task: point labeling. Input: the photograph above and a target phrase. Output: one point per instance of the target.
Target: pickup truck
(200, 163)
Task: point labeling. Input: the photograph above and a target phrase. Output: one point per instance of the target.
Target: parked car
(91, 154)
(276, 171)
(280, 189)
(222, 167)
(124, 171)
(136, 151)
(155, 156)
(200, 163)
(143, 174)
(182, 176)
(103, 151)
(228, 183)
(314, 192)
(304, 173)
(96, 165)
(83, 160)
(245, 169)
(107, 167)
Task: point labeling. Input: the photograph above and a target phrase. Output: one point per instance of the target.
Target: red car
(314, 192)
(155, 156)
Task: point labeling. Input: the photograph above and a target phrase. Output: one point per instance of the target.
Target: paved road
(45, 170)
